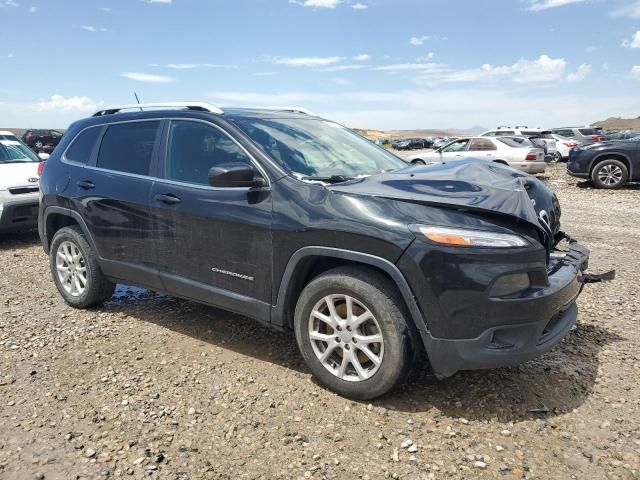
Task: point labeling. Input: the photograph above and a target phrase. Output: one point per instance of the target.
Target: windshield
(16, 152)
(318, 148)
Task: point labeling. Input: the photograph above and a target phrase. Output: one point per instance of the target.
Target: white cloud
(89, 28)
(317, 3)
(59, 103)
(362, 57)
(340, 68)
(537, 5)
(425, 58)
(453, 107)
(359, 6)
(581, 73)
(634, 42)
(8, 3)
(166, 2)
(635, 72)
(265, 74)
(631, 10)
(542, 69)
(417, 41)
(33, 9)
(11, 55)
(146, 77)
(105, 9)
(419, 66)
(307, 61)
(343, 82)
(591, 49)
(189, 66)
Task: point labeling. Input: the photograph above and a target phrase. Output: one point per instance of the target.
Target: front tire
(75, 270)
(352, 332)
(610, 174)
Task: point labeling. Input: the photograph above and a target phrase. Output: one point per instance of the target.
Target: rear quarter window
(82, 146)
(587, 131)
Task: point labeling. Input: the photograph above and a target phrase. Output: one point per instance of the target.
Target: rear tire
(359, 359)
(609, 174)
(75, 270)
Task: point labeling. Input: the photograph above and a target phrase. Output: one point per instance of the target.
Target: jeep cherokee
(303, 225)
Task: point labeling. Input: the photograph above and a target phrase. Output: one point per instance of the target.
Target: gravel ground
(152, 386)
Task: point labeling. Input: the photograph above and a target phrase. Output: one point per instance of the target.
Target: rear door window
(565, 132)
(82, 146)
(481, 145)
(128, 147)
(587, 131)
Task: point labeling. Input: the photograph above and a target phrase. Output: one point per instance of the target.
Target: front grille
(23, 190)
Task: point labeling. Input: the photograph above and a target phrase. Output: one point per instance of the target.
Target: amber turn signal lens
(447, 239)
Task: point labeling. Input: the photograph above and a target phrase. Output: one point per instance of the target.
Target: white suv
(19, 191)
(542, 134)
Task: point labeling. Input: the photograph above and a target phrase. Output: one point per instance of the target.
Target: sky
(383, 64)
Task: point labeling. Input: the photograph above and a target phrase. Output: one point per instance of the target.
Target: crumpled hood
(469, 184)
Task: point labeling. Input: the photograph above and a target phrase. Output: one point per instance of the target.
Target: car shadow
(545, 387)
(10, 241)
(588, 184)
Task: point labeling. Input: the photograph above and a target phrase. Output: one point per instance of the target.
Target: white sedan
(517, 152)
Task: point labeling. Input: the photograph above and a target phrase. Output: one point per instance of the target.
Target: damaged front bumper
(534, 323)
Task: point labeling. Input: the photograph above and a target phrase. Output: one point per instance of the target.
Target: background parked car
(612, 137)
(608, 165)
(413, 144)
(544, 139)
(582, 135)
(7, 135)
(42, 140)
(517, 152)
(564, 145)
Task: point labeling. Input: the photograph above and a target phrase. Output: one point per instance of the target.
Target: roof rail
(291, 109)
(198, 106)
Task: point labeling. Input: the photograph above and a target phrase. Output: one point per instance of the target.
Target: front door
(214, 244)
(455, 150)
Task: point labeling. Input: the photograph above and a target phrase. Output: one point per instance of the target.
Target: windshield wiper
(331, 179)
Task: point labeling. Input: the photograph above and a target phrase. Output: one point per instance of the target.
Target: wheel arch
(56, 218)
(309, 262)
(612, 156)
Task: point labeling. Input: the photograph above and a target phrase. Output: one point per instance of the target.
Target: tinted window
(517, 142)
(82, 147)
(16, 152)
(564, 132)
(128, 147)
(587, 131)
(196, 147)
(458, 146)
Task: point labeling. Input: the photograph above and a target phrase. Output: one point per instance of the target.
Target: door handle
(86, 184)
(168, 199)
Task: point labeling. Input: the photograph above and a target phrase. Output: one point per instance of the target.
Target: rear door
(113, 194)
(483, 148)
(214, 244)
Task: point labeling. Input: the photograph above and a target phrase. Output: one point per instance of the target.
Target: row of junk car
(608, 159)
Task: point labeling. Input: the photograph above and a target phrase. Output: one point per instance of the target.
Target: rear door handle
(86, 184)
(168, 199)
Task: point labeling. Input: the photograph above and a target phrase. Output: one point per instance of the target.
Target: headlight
(463, 237)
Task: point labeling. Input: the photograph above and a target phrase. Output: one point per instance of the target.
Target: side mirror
(235, 175)
(43, 156)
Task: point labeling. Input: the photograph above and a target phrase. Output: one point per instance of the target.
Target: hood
(18, 175)
(470, 185)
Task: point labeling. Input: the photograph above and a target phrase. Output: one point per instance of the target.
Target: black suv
(608, 164)
(304, 225)
(42, 140)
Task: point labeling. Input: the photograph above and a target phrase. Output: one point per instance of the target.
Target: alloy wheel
(346, 337)
(71, 268)
(610, 174)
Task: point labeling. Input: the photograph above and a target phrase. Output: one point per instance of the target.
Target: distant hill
(617, 123)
